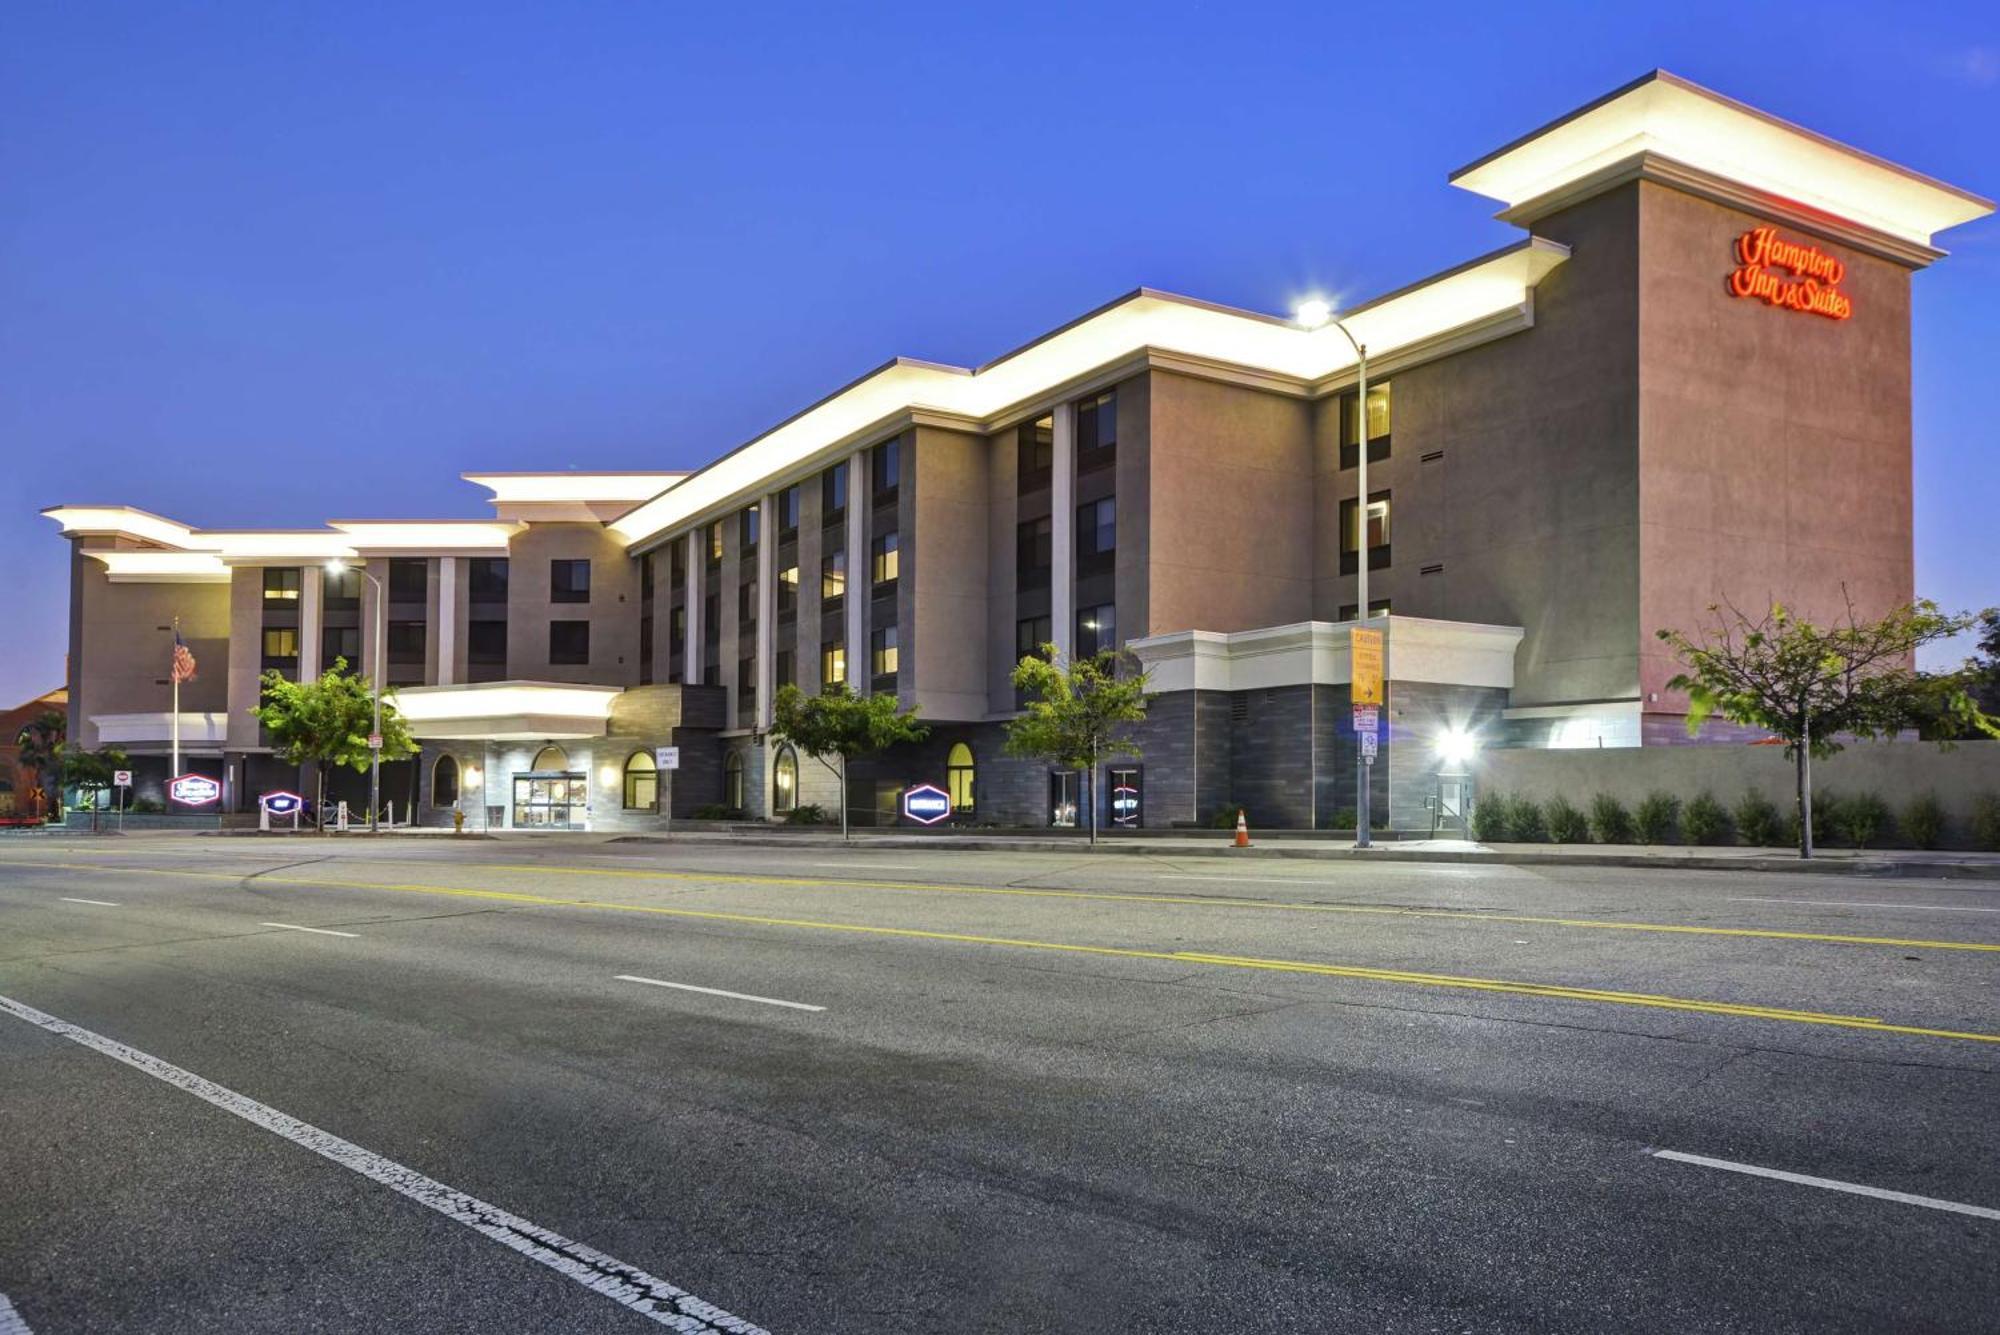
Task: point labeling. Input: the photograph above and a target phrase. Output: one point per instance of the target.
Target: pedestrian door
(545, 800)
(1451, 806)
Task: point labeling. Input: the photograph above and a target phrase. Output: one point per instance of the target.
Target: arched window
(444, 782)
(642, 782)
(785, 782)
(958, 776)
(732, 781)
(550, 760)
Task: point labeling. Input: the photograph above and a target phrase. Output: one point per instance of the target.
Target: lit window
(785, 781)
(642, 783)
(788, 590)
(833, 664)
(888, 562)
(832, 577)
(715, 542)
(281, 644)
(281, 587)
(1378, 529)
(958, 776)
(883, 643)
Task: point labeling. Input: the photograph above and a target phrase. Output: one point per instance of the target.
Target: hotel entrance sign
(1806, 279)
(1365, 667)
(194, 790)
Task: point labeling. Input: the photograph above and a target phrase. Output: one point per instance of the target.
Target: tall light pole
(375, 734)
(1317, 315)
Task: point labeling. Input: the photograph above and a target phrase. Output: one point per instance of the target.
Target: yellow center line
(1555, 991)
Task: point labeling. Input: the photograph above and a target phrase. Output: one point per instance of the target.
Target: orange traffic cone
(1242, 829)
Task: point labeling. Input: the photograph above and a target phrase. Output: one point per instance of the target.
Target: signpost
(121, 779)
(279, 803)
(668, 758)
(926, 804)
(1365, 693)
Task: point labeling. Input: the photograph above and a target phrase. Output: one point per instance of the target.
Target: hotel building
(1687, 380)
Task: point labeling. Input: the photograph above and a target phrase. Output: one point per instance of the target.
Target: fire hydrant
(458, 820)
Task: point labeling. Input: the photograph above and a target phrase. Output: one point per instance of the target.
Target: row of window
(1096, 441)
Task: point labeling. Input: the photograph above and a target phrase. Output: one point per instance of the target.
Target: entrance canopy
(501, 711)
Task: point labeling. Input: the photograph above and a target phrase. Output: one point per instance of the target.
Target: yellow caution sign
(1366, 670)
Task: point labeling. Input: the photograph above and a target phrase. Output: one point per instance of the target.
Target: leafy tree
(1077, 713)
(91, 772)
(1984, 670)
(326, 722)
(1809, 685)
(41, 745)
(840, 727)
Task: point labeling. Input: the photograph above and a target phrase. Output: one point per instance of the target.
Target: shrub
(1610, 822)
(1758, 822)
(717, 811)
(1524, 822)
(1224, 816)
(1566, 825)
(1703, 821)
(1343, 819)
(1658, 818)
(147, 806)
(1986, 820)
(808, 814)
(1862, 820)
(1828, 823)
(1923, 821)
(1492, 818)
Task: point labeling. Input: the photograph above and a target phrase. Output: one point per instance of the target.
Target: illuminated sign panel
(281, 803)
(1789, 274)
(194, 790)
(925, 804)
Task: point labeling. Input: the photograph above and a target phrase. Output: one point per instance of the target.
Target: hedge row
(1861, 821)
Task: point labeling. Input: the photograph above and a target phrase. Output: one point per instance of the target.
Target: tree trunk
(1090, 796)
(319, 806)
(843, 800)
(1805, 791)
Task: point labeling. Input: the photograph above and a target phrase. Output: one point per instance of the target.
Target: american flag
(183, 665)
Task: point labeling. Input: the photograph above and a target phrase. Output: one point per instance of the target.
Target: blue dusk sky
(270, 264)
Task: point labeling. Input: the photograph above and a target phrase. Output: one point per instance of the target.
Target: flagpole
(174, 671)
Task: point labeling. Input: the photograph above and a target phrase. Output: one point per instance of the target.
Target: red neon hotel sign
(1789, 274)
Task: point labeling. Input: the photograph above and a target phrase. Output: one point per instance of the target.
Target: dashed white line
(1829, 1184)
(319, 931)
(1858, 904)
(101, 903)
(869, 866)
(716, 992)
(11, 1321)
(648, 1295)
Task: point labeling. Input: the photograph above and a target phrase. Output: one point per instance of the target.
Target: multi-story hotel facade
(1687, 381)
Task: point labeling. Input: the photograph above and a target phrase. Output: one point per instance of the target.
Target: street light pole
(374, 752)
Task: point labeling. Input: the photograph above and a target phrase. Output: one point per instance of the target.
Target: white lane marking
(870, 866)
(716, 992)
(646, 1294)
(322, 931)
(101, 903)
(1830, 1184)
(11, 1321)
(1859, 904)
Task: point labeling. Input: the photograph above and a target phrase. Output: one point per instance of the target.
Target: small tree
(91, 772)
(41, 746)
(326, 722)
(1808, 685)
(837, 727)
(1077, 713)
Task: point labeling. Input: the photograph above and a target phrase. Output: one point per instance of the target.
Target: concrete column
(447, 618)
(859, 487)
(312, 620)
(697, 563)
(1062, 532)
(767, 608)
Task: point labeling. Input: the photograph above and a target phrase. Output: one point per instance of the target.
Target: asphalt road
(1009, 1093)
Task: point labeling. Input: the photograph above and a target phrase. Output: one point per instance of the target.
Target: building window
(832, 580)
(1096, 536)
(551, 760)
(1096, 630)
(1035, 444)
(1379, 422)
(883, 644)
(342, 589)
(281, 586)
(785, 668)
(486, 641)
(1377, 607)
(409, 580)
(746, 692)
(958, 776)
(746, 603)
(748, 525)
(732, 781)
(1031, 637)
(406, 641)
(338, 643)
(888, 558)
(1096, 431)
(569, 642)
(645, 651)
(642, 782)
(833, 494)
(646, 578)
(677, 564)
(788, 591)
(1378, 533)
(1033, 553)
(715, 543)
(785, 781)
(788, 513)
(886, 460)
(486, 579)
(569, 581)
(833, 664)
(444, 782)
(281, 646)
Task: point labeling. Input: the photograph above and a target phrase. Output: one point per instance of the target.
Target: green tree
(91, 772)
(1077, 714)
(1810, 685)
(326, 722)
(41, 746)
(841, 727)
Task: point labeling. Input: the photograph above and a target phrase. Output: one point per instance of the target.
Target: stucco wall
(945, 554)
(612, 611)
(122, 647)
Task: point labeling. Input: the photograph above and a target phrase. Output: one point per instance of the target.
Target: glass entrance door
(547, 801)
(1062, 798)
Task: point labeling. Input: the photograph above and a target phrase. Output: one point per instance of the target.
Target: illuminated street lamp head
(1313, 313)
(335, 566)
(1455, 746)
